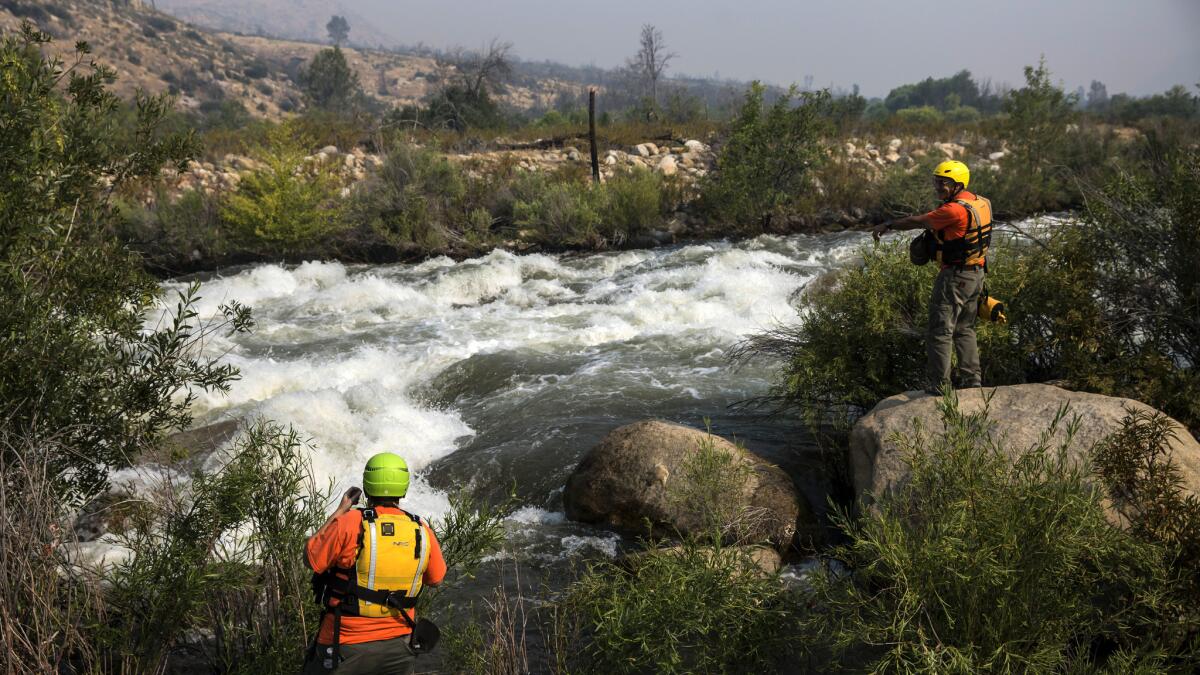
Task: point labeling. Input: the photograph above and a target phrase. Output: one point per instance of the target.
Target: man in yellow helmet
(368, 566)
(961, 230)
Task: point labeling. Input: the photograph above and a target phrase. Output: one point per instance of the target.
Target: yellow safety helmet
(954, 170)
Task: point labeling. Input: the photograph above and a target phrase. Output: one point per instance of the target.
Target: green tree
(287, 206)
(329, 83)
(338, 29)
(77, 362)
(766, 162)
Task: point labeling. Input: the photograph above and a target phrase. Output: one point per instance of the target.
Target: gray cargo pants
(953, 309)
(382, 657)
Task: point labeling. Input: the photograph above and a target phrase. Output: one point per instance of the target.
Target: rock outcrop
(644, 472)
(1018, 414)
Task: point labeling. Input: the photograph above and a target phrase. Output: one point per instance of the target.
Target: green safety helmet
(386, 475)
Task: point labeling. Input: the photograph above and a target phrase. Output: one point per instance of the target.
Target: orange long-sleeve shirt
(336, 545)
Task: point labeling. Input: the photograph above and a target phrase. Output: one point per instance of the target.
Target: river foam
(362, 359)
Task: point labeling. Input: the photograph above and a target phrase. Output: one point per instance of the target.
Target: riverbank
(408, 203)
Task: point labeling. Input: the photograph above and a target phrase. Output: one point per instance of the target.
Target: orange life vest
(972, 247)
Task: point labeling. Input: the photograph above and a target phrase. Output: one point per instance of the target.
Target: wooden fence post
(592, 134)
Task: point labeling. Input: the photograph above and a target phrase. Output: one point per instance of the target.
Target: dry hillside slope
(155, 52)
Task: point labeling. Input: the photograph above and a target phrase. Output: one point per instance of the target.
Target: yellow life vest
(393, 552)
(972, 247)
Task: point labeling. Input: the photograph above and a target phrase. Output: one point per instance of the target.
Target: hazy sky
(1140, 47)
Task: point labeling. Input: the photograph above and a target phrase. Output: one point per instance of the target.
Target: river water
(498, 373)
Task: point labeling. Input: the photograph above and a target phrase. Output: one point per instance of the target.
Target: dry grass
(46, 602)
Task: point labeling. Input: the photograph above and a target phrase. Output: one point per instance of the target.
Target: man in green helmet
(961, 230)
(369, 565)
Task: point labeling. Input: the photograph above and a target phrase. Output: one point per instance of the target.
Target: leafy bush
(1147, 489)
(765, 162)
(692, 609)
(862, 337)
(414, 200)
(287, 206)
(1141, 228)
(963, 114)
(985, 562)
(170, 234)
(920, 118)
(633, 203)
(563, 212)
(77, 363)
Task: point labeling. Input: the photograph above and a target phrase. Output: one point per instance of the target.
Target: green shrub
(169, 233)
(963, 114)
(632, 203)
(414, 200)
(921, 117)
(77, 362)
(1147, 488)
(982, 562)
(567, 213)
(289, 205)
(766, 161)
(691, 609)
(862, 337)
(1141, 228)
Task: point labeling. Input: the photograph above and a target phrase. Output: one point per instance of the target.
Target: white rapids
(515, 362)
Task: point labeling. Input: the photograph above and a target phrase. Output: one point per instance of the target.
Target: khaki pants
(382, 657)
(953, 309)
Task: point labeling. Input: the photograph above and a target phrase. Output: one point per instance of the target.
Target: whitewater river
(501, 371)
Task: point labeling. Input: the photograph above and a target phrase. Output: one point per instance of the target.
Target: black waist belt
(395, 599)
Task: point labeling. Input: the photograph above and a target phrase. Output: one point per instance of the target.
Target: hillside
(155, 52)
(292, 19)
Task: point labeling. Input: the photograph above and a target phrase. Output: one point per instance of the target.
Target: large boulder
(644, 473)
(1018, 414)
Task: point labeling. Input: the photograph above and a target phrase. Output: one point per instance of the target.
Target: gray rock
(636, 474)
(1018, 414)
(330, 150)
(667, 166)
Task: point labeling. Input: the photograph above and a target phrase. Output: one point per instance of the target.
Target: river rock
(1018, 414)
(646, 149)
(330, 150)
(667, 166)
(638, 472)
(694, 146)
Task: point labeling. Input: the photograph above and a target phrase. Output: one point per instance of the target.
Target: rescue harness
(385, 580)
